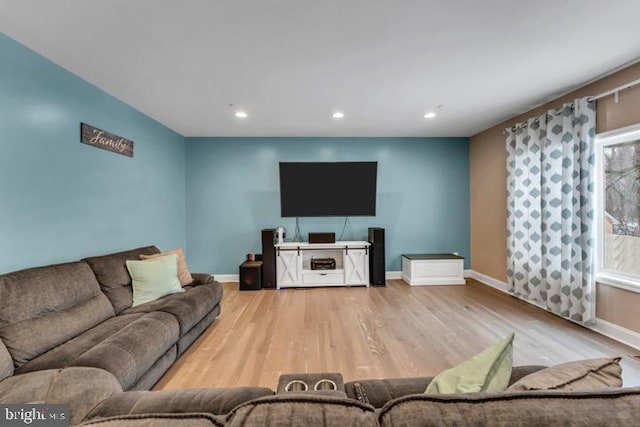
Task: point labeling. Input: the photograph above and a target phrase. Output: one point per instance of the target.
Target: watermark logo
(33, 415)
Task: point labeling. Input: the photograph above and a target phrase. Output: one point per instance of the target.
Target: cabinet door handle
(323, 274)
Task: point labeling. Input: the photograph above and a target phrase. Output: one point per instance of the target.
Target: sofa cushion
(6, 362)
(127, 346)
(111, 272)
(65, 354)
(579, 375)
(46, 306)
(189, 307)
(157, 370)
(158, 420)
(81, 388)
(154, 278)
(605, 408)
(190, 337)
(302, 410)
(218, 401)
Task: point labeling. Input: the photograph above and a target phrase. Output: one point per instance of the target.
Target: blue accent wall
(61, 200)
(233, 193)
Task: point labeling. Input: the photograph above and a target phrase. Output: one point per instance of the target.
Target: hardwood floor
(394, 331)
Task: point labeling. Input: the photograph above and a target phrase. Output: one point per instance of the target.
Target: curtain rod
(615, 91)
(526, 124)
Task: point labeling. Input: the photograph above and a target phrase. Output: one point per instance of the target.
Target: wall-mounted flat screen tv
(328, 188)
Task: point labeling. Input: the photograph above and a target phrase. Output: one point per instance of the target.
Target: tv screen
(328, 189)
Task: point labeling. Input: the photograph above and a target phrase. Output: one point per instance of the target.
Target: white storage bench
(433, 269)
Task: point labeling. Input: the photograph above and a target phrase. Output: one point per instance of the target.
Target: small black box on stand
(323, 263)
(251, 276)
(322, 237)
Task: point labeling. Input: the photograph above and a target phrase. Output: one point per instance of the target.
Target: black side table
(251, 276)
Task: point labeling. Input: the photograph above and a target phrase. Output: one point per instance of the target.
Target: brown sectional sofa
(255, 407)
(68, 335)
(79, 314)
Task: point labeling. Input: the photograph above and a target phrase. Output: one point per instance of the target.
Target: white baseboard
(390, 275)
(608, 329)
(487, 280)
(227, 277)
(434, 281)
(618, 333)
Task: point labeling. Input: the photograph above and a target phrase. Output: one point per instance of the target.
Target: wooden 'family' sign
(99, 138)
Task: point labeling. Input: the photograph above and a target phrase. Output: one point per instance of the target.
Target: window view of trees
(622, 210)
(622, 187)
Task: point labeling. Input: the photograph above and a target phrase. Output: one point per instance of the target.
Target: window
(618, 207)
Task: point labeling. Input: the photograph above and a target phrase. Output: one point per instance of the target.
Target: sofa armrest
(157, 420)
(81, 388)
(215, 401)
(595, 407)
(202, 279)
(379, 392)
(303, 410)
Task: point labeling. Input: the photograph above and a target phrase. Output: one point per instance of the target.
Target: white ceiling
(291, 63)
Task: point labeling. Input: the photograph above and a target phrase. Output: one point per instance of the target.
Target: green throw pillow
(487, 371)
(154, 278)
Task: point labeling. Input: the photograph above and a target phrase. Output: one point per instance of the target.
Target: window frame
(617, 279)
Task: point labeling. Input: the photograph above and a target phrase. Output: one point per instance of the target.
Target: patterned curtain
(550, 230)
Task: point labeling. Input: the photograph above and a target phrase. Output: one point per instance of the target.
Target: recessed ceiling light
(241, 115)
(430, 115)
(338, 115)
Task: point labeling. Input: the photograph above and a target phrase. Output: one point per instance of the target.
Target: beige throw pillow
(183, 271)
(572, 376)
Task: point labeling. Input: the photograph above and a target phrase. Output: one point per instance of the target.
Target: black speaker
(268, 259)
(376, 257)
(250, 276)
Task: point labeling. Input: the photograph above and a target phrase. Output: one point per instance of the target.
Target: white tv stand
(293, 264)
